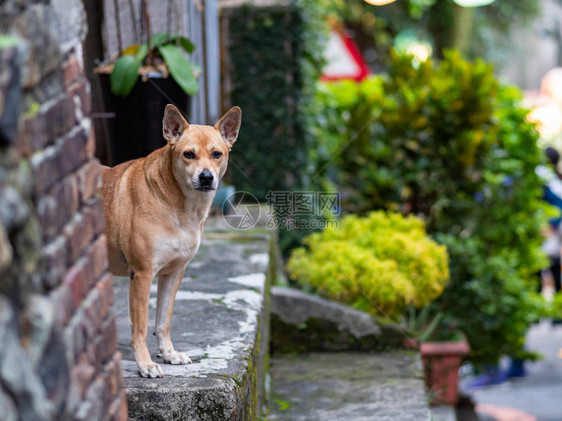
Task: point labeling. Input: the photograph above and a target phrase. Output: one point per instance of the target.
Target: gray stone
(10, 95)
(296, 307)
(353, 386)
(220, 321)
(304, 322)
(40, 52)
(20, 177)
(67, 23)
(7, 407)
(6, 252)
(13, 209)
(39, 318)
(18, 378)
(443, 413)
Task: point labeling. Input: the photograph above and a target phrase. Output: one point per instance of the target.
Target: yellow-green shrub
(380, 263)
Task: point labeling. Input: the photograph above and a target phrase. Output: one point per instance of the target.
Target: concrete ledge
(386, 386)
(221, 321)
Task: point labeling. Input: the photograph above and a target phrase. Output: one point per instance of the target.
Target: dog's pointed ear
(229, 125)
(173, 124)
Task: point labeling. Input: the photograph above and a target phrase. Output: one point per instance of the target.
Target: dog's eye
(216, 154)
(189, 155)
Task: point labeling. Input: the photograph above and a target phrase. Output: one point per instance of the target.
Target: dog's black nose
(206, 177)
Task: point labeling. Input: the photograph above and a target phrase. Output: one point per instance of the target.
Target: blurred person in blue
(552, 194)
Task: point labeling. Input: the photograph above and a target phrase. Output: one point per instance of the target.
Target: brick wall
(58, 338)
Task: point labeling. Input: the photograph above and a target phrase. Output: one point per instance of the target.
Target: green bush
(554, 307)
(380, 263)
(449, 143)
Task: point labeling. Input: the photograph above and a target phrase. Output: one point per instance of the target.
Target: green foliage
(171, 48)
(181, 70)
(554, 308)
(7, 41)
(275, 56)
(380, 263)
(449, 143)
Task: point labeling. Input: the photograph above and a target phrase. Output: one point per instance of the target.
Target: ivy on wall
(275, 55)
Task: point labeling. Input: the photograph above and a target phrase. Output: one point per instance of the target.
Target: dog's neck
(164, 184)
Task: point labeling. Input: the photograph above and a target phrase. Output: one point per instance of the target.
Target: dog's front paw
(175, 358)
(149, 369)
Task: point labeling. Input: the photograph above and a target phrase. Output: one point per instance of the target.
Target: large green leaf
(125, 74)
(159, 39)
(142, 52)
(180, 68)
(187, 44)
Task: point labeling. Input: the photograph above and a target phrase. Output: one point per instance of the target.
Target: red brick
(46, 168)
(74, 340)
(21, 145)
(55, 207)
(105, 288)
(106, 343)
(91, 143)
(52, 211)
(123, 413)
(118, 409)
(80, 377)
(71, 194)
(89, 177)
(53, 262)
(55, 119)
(78, 233)
(94, 407)
(70, 70)
(35, 132)
(113, 375)
(77, 280)
(73, 150)
(93, 212)
(61, 297)
(61, 116)
(81, 89)
(82, 374)
(53, 163)
(93, 316)
(97, 258)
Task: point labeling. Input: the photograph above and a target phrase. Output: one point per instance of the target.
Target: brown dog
(155, 208)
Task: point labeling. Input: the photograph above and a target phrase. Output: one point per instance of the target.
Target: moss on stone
(322, 335)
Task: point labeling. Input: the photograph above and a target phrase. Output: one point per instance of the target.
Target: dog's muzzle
(206, 181)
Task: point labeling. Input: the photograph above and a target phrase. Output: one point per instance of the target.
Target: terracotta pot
(411, 343)
(441, 362)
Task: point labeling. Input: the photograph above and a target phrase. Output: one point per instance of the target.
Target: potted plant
(139, 84)
(442, 346)
(441, 363)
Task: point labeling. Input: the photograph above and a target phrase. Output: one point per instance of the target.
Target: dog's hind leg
(168, 286)
(139, 293)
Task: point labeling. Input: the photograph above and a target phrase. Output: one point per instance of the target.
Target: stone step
(385, 386)
(221, 320)
(302, 322)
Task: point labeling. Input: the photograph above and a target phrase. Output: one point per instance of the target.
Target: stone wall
(58, 339)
